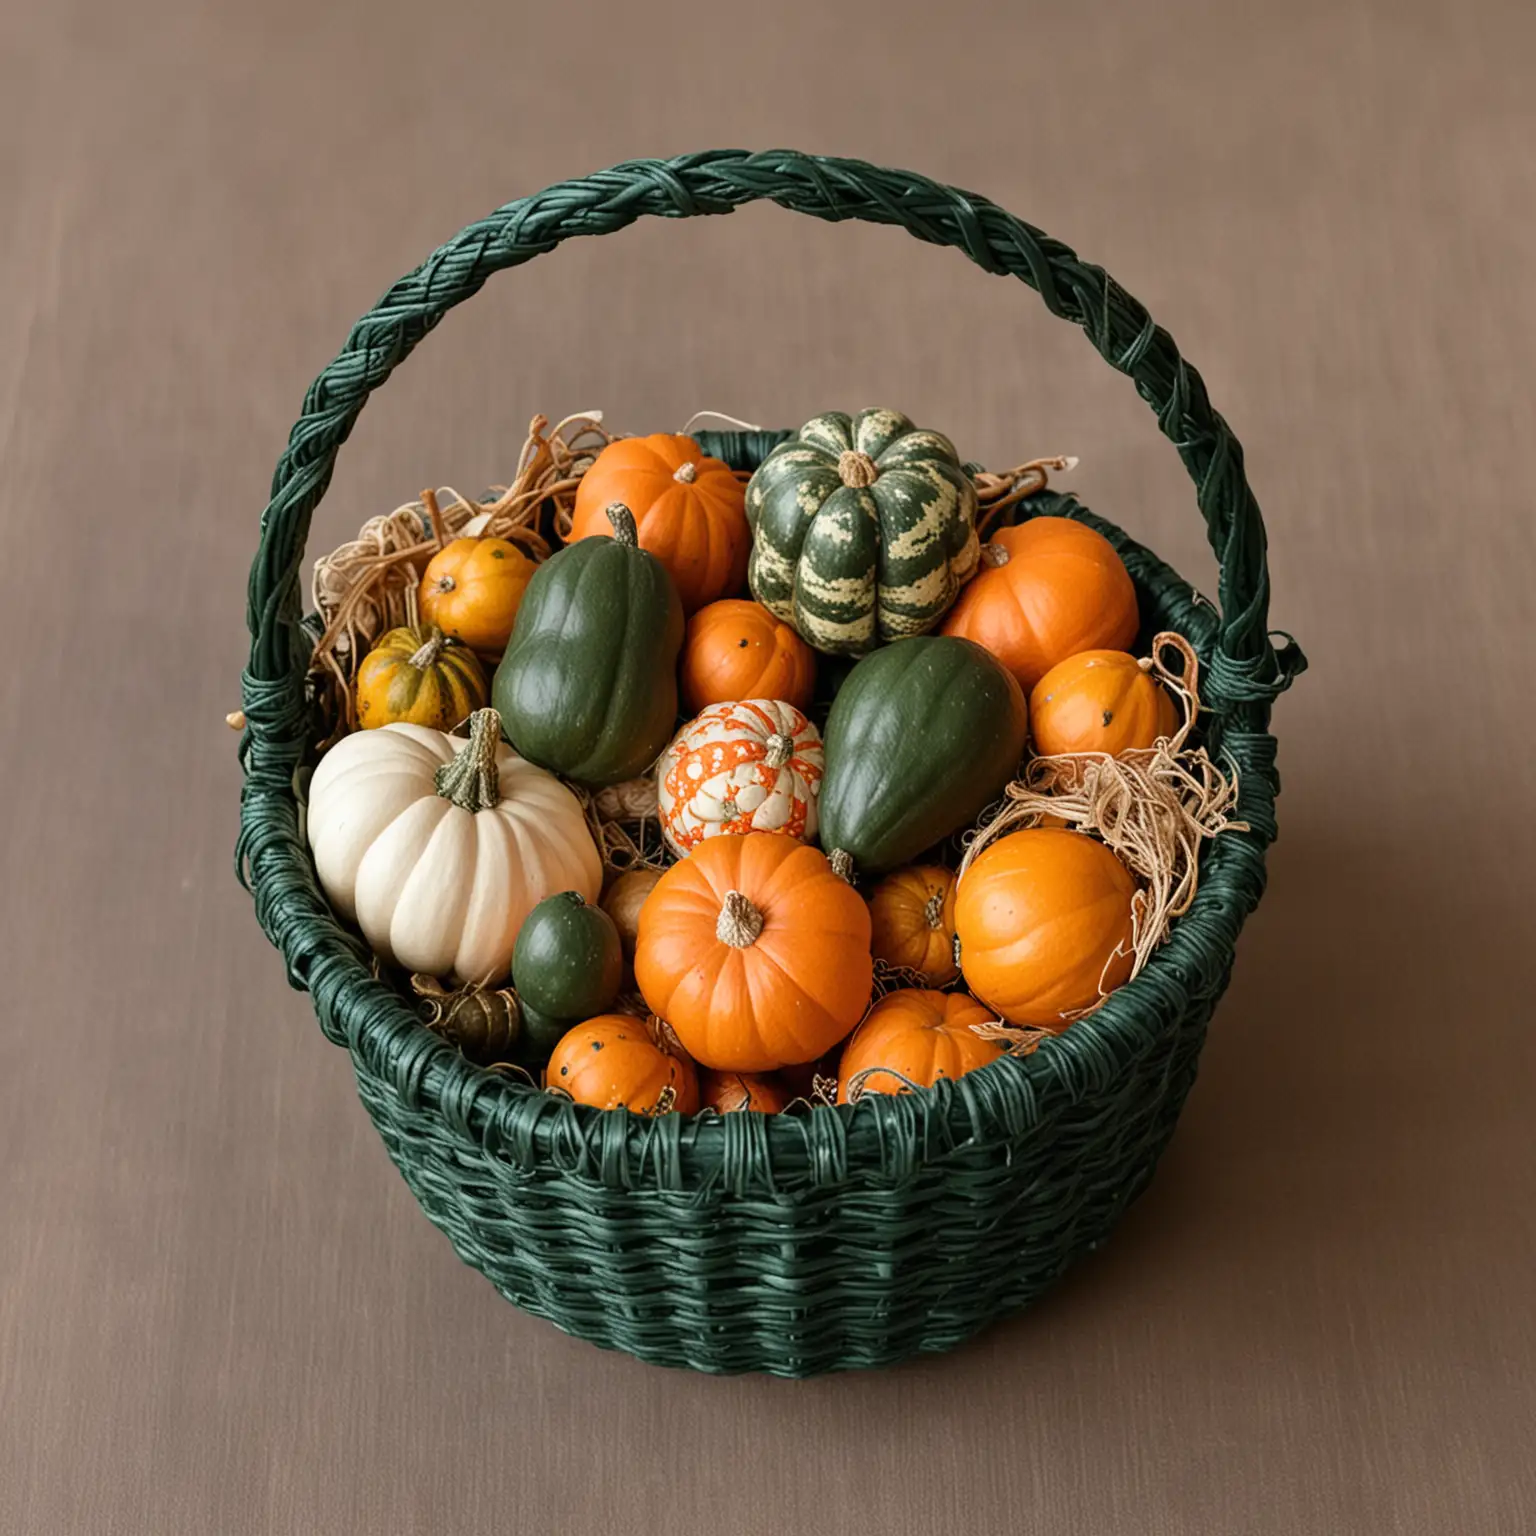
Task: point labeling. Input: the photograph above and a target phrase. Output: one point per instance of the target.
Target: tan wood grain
(220, 1310)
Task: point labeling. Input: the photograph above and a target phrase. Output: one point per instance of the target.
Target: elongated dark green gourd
(588, 685)
(568, 962)
(863, 530)
(921, 736)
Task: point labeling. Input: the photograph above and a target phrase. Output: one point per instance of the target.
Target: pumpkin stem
(428, 653)
(842, 864)
(780, 749)
(933, 909)
(471, 780)
(857, 469)
(995, 555)
(686, 473)
(623, 520)
(739, 923)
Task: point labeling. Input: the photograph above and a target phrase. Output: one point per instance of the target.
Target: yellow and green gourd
(864, 530)
(416, 675)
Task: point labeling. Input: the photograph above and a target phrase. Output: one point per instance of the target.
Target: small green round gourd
(568, 963)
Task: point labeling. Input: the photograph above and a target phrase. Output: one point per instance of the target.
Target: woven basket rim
(882, 1138)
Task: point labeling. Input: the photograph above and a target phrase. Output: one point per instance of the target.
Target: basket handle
(1245, 672)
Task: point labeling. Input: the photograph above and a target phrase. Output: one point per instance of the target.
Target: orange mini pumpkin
(472, 589)
(690, 511)
(729, 1092)
(755, 953)
(1046, 590)
(1044, 919)
(613, 1062)
(912, 915)
(1100, 701)
(735, 649)
(915, 1037)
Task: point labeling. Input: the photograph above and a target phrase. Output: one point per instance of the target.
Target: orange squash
(755, 953)
(1100, 701)
(612, 1062)
(916, 1035)
(690, 511)
(1044, 922)
(732, 1091)
(912, 918)
(736, 649)
(1046, 590)
(413, 676)
(472, 589)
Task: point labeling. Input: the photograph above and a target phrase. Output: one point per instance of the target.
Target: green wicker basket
(831, 1238)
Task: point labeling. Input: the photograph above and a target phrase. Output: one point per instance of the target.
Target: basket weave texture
(829, 1238)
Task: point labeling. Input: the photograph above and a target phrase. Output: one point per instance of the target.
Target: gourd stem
(842, 864)
(623, 520)
(933, 911)
(739, 923)
(428, 653)
(780, 749)
(857, 469)
(995, 554)
(686, 473)
(471, 780)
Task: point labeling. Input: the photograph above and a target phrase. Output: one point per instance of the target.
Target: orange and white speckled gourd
(753, 765)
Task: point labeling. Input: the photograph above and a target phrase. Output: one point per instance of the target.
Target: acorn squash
(588, 685)
(921, 736)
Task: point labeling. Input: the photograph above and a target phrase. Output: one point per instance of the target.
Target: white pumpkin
(751, 765)
(439, 848)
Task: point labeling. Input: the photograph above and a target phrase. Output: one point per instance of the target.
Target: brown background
(220, 1311)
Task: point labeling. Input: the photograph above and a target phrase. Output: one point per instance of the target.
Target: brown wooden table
(220, 1310)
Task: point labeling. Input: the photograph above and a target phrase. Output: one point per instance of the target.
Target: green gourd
(568, 963)
(864, 530)
(921, 737)
(588, 685)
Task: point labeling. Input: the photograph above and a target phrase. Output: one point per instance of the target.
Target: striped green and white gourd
(863, 530)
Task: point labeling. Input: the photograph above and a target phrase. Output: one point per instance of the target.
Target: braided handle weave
(1245, 667)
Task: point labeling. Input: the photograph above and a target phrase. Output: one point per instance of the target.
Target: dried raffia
(625, 826)
(894, 978)
(823, 1090)
(1016, 1040)
(1151, 806)
(997, 491)
(857, 1084)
